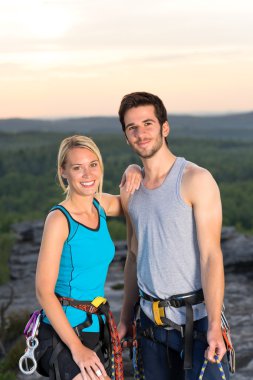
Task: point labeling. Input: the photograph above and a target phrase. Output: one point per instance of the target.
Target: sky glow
(79, 57)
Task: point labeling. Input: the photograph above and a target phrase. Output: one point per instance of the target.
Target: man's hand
(216, 345)
(124, 330)
(131, 178)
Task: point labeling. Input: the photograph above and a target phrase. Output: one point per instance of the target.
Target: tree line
(29, 186)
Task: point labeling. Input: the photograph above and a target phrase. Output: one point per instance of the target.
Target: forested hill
(231, 126)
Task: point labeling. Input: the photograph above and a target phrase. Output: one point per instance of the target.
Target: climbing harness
(186, 331)
(27, 362)
(223, 377)
(108, 340)
(112, 347)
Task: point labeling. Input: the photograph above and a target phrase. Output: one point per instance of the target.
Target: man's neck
(158, 166)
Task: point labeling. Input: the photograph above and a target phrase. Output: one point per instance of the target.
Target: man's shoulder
(193, 172)
(197, 179)
(197, 182)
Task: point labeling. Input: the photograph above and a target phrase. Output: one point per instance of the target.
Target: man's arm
(131, 293)
(204, 196)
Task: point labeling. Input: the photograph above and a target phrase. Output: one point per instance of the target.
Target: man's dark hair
(136, 99)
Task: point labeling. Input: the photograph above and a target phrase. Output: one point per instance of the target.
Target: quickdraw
(223, 377)
(137, 357)
(133, 343)
(138, 364)
(228, 342)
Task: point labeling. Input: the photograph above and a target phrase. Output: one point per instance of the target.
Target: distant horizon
(195, 114)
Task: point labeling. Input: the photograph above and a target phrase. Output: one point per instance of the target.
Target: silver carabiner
(27, 362)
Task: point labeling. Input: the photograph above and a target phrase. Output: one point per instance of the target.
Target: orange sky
(79, 57)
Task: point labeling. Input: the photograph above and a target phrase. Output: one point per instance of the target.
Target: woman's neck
(79, 204)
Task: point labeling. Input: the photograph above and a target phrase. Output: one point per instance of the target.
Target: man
(174, 226)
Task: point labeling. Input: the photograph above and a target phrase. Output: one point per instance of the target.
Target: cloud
(94, 24)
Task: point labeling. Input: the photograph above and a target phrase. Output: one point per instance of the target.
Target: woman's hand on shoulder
(89, 363)
(131, 178)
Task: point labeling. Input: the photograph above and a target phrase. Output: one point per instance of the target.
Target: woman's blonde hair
(77, 142)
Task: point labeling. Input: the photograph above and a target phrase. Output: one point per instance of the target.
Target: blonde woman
(75, 253)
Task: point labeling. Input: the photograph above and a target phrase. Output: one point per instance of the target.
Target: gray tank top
(168, 260)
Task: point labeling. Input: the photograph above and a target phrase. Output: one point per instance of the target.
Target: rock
(25, 230)
(237, 250)
(228, 233)
(23, 259)
(238, 259)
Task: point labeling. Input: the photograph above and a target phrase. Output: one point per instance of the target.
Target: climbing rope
(219, 366)
(137, 363)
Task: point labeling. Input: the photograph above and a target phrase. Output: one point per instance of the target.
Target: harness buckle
(76, 329)
(158, 312)
(64, 302)
(98, 301)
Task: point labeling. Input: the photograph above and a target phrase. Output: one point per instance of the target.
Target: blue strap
(101, 211)
(73, 225)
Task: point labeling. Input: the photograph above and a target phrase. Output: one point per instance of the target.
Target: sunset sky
(79, 57)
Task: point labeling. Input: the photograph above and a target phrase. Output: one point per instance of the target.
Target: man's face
(143, 131)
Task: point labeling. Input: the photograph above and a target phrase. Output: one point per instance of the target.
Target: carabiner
(27, 362)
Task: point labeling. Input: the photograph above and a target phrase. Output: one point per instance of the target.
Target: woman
(75, 253)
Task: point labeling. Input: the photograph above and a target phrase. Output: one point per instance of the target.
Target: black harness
(187, 333)
(104, 342)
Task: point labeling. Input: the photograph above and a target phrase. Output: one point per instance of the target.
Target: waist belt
(100, 306)
(179, 300)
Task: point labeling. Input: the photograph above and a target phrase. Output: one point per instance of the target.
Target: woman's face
(82, 171)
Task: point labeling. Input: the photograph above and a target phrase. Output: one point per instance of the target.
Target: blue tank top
(85, 259)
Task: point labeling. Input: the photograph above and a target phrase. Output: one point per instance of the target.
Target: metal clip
(36, 326)
(182, 331)
(27, 362)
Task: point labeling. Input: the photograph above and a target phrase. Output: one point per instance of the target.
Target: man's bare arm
(130, 275)
(205, 198)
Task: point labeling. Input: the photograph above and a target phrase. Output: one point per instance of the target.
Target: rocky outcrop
(23, 259)
(237, 249)
(238, 260)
